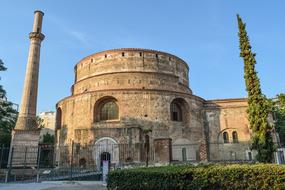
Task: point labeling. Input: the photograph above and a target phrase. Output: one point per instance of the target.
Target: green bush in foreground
(260, 176)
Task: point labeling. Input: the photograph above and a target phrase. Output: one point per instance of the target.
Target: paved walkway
(55, 185)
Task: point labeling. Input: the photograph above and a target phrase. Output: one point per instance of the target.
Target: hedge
(210, 177)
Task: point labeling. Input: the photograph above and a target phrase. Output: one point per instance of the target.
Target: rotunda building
(132, 105)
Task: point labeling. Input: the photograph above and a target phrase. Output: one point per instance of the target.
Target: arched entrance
(106, 148)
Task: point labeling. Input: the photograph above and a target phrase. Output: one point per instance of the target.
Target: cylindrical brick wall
(131, 69)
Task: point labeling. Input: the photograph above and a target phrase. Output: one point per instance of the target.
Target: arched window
(176, 112)
(235, 137)
(109, 110)
(226, 137)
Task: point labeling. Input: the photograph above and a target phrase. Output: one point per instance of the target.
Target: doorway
(105, 156)
(105, 148)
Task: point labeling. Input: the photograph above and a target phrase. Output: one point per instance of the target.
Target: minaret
(26, 135)
(27, 115)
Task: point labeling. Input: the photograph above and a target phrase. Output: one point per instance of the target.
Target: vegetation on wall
(258, 106)
(8, 115)
(40, 122)
(211, 177)
(48, 138)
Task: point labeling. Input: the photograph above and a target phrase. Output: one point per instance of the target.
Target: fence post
(38, 164)
(1, 158)
(10, 165)
(53, 155)
(71, 164)
(25, 158)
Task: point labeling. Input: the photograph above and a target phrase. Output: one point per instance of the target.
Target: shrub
(210, 177)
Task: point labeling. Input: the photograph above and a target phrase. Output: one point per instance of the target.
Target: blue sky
(203, 33)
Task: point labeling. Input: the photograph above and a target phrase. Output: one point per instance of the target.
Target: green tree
(279, 116)
(258, 106)
(8, 114)
(48, 138)
(2, 91)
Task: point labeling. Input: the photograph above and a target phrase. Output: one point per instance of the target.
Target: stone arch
(106, 108)
(227, 135)
(235, 136)
(106, 145)
(179, 110)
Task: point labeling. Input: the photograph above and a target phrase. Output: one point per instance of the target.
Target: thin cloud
(73, 33)
(88, 41)
(79, 36)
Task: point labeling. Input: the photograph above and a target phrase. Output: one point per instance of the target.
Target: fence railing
(4, 156)
(91, 156)
(52, 162)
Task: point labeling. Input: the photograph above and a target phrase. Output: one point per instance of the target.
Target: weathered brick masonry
(124, 96)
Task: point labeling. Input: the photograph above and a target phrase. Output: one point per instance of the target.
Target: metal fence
(52, 162)
(25, 163)
(4, 155)
(91, 156)
(30, 164)
(238, 152)
(83, 156)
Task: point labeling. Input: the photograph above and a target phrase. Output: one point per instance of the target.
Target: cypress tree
(258, 107)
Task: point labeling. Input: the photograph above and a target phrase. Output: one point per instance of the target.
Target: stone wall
(132, 60)
(141, 109)
(130, 80)
(227, 115)
(48, 119)
(143, 83)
